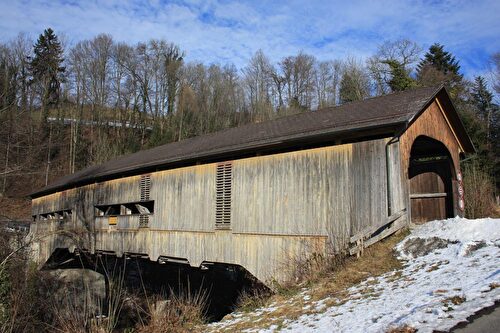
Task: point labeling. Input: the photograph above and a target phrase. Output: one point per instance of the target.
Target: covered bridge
(255, 195)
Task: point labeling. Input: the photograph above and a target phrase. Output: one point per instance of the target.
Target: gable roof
(393, 112)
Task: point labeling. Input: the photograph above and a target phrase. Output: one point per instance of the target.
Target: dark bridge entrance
(431, 186)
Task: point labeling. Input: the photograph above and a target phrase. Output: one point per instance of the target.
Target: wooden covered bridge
(255, 195)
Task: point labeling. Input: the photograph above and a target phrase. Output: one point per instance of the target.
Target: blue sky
(231, 31)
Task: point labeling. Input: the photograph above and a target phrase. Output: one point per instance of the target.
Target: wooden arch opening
(431, 175)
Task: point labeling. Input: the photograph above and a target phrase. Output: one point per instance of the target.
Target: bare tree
(99, 53)
(8, 73)
(496, 72)
(355, 82)
(77, 78)
(405, 51)
(299, 74)
(278, 88)
(258, 83)
(326, 83)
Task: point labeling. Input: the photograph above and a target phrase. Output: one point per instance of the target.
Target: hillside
(449, 271)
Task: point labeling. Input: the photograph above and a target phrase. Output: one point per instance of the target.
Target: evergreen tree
(482, 98)
(440, 67)
(174, 58)
(349, 90)
(46, 69)
(488, 114)
(400, 78)
(440, 59)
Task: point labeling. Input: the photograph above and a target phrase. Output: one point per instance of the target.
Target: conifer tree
(440, 67)
(400, 78)
(482, 98)
(46, 69)
(440, 59)
(487, 110)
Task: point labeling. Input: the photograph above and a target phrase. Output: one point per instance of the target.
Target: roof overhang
(446, 105)
(267, 147)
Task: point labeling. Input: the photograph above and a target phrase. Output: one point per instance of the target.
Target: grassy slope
(289, 303)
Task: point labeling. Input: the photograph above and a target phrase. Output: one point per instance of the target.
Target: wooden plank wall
(432, 123)
(369, 184)
(294, 193)
(184, 199)
(283, 206)
(427, 183)
(397, 194)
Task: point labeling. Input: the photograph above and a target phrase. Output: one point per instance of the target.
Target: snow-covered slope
(452, 270)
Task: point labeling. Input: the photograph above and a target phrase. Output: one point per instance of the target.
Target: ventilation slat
(223, 183)
(145, 186)
(143, 221)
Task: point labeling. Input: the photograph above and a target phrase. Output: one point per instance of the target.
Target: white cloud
(229, 31)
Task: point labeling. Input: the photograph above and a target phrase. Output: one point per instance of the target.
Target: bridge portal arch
(431, 173)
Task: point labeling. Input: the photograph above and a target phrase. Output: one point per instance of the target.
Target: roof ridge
(435, 88)
(294, 115)
(289, 116)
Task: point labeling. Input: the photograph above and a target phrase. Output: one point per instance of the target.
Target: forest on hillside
(67, 107)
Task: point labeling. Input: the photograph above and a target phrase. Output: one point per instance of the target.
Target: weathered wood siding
(283, 205)
(184, 199)
(295, 193)
(398, 201)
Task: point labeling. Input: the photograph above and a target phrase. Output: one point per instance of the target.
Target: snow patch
(451, 271)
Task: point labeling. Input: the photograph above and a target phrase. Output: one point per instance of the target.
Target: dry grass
(455, 300)
(308, 269)
(179, 313)
(251, 300)
(402, 329)
(377, 260)
(494, 285)
(496, 211)
(479, 189)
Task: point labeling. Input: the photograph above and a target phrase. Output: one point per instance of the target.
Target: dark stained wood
(433, 124)
(427, 209)
(427, 182)
(431, 193)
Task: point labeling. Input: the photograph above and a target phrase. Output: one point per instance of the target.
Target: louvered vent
(145, 187)
(223, 198)
(143, 221)
(145, 190)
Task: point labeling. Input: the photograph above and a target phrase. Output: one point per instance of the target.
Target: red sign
(461, 201)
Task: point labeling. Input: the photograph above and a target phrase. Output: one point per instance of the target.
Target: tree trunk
(48, 156)
(4, 185)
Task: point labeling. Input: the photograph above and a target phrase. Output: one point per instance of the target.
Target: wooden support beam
(370, 230)
(370, 236)
(387, 232)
